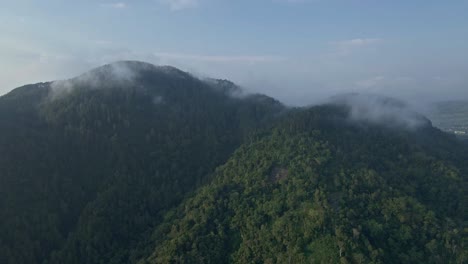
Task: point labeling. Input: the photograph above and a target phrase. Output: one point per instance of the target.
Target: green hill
(90, 164)
(317, 190)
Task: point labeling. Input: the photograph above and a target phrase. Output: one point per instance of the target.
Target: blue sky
(300, 51)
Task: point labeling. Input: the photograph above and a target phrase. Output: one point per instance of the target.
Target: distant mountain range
(137, 163)
(451, 116)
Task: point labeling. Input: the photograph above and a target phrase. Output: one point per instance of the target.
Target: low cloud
(295, 80)
(376, 109)
(109, 75)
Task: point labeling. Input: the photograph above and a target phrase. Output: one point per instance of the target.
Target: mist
(294, 81)
(381, 110)
(381, 106)
(116, 74)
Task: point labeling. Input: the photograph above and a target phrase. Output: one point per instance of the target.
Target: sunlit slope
(319, 189)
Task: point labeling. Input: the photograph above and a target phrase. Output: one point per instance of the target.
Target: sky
(299, 51)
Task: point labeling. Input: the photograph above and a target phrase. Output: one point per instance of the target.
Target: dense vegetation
(317, 191)
(85, 174)
(133, 163)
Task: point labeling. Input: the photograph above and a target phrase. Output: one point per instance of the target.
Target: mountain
(90, 164)
(136, 163)
(318, 189)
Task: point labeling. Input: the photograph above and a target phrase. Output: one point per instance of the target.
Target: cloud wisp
(381, 110)
(346, 47)
(176, 5)
(371, 82)
(218, 58)
(357, 42)
(110, 75)
(116, 5)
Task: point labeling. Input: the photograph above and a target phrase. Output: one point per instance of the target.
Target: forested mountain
(316, 189)
(135, 163)
(89, 165)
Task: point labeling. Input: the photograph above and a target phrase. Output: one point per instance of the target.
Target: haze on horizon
(299, 51)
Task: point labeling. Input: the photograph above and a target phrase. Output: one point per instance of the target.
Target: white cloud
(371, 82)
(180, 4)
(221, 58)
(117, 5)
(380, 110)
(357, 42)
(346, 47)
(103, 42)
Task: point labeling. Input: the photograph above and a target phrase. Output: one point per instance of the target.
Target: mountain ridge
(109, 170)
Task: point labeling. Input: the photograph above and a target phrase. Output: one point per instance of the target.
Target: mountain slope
(318, 189)
(92, 162)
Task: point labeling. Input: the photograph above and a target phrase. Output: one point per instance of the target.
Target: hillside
(136, 163)
(317, 189)
(90, 164)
